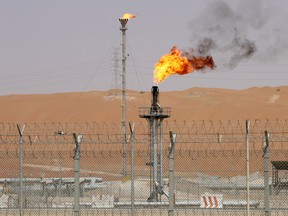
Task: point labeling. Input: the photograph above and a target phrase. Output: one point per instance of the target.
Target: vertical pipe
(171, 174)
(131, 125)
(247, 167)
(151, 154)
(266, 174)
(273, 180)
(155, 158)
(77, 140)
(161, 155)
(21, 131)
(123, 44)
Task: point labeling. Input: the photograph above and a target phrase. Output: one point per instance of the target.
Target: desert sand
(193, 104)
(103, 106)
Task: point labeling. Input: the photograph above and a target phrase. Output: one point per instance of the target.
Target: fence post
(248, 167)
(61, 133)
(131, 126)
(21, 131)
(77, 140)
(171, 174)
(266, 174)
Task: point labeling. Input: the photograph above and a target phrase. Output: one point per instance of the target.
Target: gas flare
(128, 16)
(177, 62)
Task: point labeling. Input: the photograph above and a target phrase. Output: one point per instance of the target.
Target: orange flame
(178, 63)
(128, 16)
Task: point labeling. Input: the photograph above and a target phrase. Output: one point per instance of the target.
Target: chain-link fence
(217, 168)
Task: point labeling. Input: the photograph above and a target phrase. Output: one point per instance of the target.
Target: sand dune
(191, 104)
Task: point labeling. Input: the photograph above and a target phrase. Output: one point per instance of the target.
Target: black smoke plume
(236, 31)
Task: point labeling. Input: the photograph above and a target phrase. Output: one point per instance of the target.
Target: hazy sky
(70, 45)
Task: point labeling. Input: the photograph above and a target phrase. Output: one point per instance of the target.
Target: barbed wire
(55, 139)
(206, 153)
(199, 127)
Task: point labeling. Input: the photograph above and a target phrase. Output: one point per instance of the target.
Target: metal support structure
(132, 140)
(155, 156)
(171, 174)
(21, 132)
(161, 157)
(247, 168)
(116, 72)
(123, 105)
(77, 140)
(155, 115)
(266, 174)
(150, 163)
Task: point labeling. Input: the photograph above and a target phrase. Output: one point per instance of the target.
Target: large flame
(180, 63)
(128, 16)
